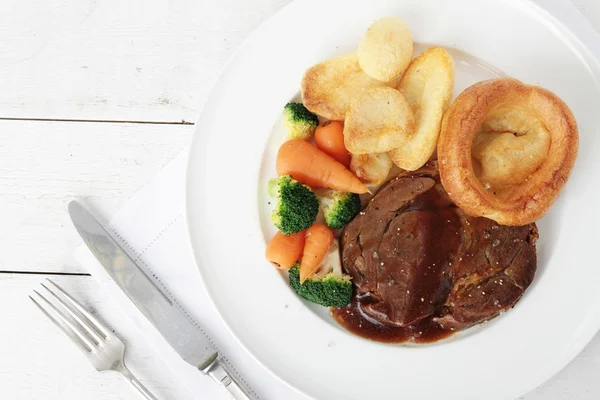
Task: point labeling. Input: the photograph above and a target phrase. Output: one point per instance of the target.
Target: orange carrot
(318, 241)
(329, 137)
(284, 251)
(309, 165)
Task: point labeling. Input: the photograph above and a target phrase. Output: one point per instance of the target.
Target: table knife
(184, 335)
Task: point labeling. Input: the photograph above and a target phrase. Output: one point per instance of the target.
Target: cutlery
(99, 344)
(174, 324)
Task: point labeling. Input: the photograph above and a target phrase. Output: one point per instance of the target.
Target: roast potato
(386, 49)
(378, 120)
(329, 87)
(427, 84)
(371, 169)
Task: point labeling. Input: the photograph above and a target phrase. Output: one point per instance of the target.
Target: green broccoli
(339, 208)
(297, 205)
(299, 122)
(329, 286)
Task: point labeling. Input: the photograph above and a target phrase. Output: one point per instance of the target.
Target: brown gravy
(405, 247)
(353, 319)
(442, 220)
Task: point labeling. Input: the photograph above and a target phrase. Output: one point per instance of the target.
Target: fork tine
(97, 325)
(66, 329)
(64, 324)
(78, 313)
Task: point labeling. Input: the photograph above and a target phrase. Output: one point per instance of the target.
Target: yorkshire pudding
(506, 150)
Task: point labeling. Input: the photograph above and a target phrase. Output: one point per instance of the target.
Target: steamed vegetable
(339, 208)
(284, 251)
(329, 138)
(297, 206)
(319, 239)
(309, 165)
(329, 286)
(298, 121)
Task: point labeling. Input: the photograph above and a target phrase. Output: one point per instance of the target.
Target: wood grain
(141, 60)
(39, 362)
(591, 10)
(44, 165)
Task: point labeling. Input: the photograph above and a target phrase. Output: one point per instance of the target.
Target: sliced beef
(495, 266)
(414, 255)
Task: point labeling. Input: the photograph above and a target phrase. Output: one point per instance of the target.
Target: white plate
(232, 157)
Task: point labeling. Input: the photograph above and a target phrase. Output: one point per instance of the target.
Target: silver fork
(101, 346)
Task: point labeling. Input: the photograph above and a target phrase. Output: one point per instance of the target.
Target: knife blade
(185, 336)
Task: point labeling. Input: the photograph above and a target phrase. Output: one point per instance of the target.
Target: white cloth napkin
(152, 228)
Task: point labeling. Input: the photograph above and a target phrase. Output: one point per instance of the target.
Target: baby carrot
(318, 241)
(329, 137)
(309, 165)
(284, 251)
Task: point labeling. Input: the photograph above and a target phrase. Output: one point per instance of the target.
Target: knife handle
(219, 372)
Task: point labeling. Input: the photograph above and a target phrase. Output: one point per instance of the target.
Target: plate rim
(573, 39)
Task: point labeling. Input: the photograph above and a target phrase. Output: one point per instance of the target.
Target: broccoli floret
(299, 122)
(297, 205)
(339, 208)
(329, 290)
(329, 286)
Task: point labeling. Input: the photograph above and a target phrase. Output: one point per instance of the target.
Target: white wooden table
(95, 98)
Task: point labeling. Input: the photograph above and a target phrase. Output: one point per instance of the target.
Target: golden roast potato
(329, 87)
(386, 49)
(427, 85)
(371, 169)
(378, 120)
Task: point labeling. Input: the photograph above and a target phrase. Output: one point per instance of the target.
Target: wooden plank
(44, 165)
(39, 362)
(591, 10)
(142, 60)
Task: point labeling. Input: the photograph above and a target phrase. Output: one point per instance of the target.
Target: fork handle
(135, 383)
